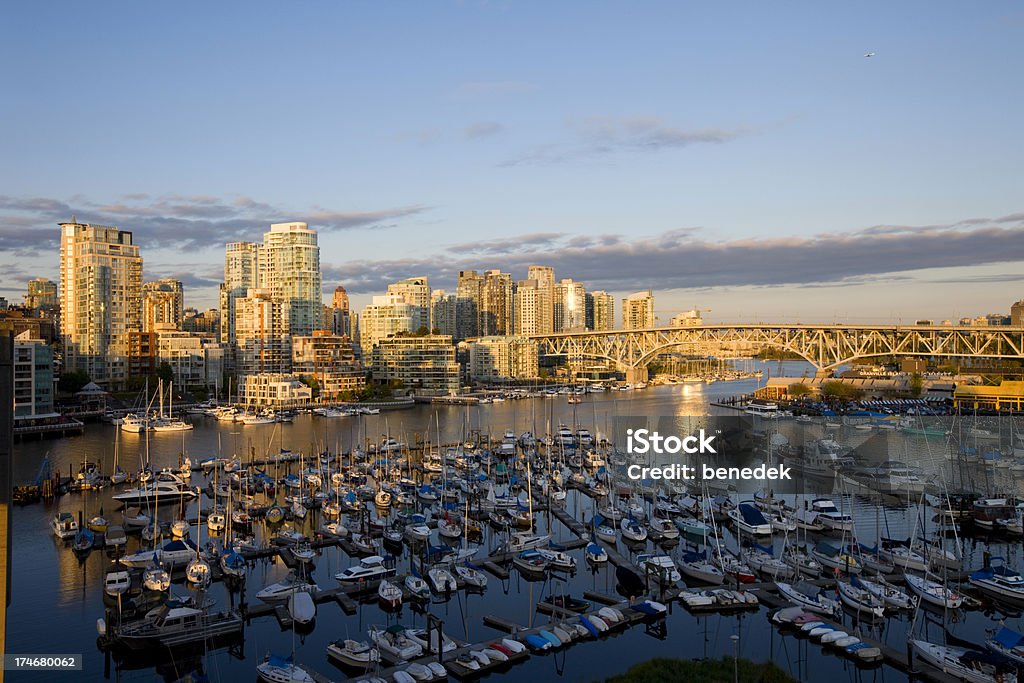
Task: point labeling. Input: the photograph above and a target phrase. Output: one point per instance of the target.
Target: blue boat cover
(1008, 638)
(751, 515)
(280, 662)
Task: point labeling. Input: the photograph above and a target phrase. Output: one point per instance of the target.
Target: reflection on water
(53, 592)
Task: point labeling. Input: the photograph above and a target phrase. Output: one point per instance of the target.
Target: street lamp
(735, 657)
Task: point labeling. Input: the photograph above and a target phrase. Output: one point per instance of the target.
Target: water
(56, 599)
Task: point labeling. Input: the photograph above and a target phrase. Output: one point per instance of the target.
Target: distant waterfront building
(688, 318)
(998, 319)
(600, 311)
(33, 377)
(425, 366)
(273, 390)
(341, 317)
(499, 359)
(545, 279)
(442, 312)
(262, 337)
(331, 361)
(387, 316)
(42, 294)
(1017, 314)
(414, 291)
(528, 308)
(468, 298)
(163, 303)
(570, 306)
(638, 311)
(100, 300)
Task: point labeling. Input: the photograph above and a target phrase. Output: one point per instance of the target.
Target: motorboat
(393, 641)
(156, 579)
(115, 536)
(417, 587)
(471, 576)
(441, 579)
(829, 516)
(279, 592)
(174, 624)
(353, 653)
(999, 581)
(372, 567)
(178, 552)
(697, 566)
(595, 554)
(167, 487)
(64, 525)
(659, 565)
(117, 582)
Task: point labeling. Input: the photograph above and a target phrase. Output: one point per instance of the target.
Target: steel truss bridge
(824, 346)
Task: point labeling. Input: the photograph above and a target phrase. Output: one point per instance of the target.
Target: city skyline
(769, 175)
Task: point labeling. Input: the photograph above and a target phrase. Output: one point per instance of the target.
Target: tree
(165, 372)
(916, 384)
(798, 390)
(73, 380)
(835, 389)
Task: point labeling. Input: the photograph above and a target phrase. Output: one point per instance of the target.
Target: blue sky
(745, 157)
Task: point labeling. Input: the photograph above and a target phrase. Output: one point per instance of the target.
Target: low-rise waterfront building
(500, 359)
(424, 365)
(330, 360)
(273, 390)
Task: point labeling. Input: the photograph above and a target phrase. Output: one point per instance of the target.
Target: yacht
(393, 641)
(167, 487)
(133, 423)
(372, 567)
(821, 457)
(175, 624)
(999, 580)
(279, 592)
(829, 516)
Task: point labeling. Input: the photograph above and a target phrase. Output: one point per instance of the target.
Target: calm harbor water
(56, 598)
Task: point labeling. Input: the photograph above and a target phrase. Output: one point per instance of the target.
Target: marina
(517, 520)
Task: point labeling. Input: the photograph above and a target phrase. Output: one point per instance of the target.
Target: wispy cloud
(482, 129)
(174, 221)
(600, 136)
(683, 258)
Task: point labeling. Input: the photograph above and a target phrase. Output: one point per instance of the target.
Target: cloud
(681, 258)
(601, 136)
(187, 223)
(482, 129)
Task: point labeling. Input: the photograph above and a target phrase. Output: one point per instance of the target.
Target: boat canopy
(1008, 638)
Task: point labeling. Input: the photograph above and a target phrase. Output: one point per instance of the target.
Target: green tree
(834, 389)
(916, 384)
(798, 390)
(165, 373)
(72, 381)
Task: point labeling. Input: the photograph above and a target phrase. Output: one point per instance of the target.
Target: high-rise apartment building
(496, 303)
(545, 278)
(468, 296)
(163, 303)
(527, 310)
(569, 306)
(638, 311)
(100, 299)
(239, 278)
(385, 317)
(414, 291)
(600, 311)
(262, 337)
(288, 265)
(442, 312)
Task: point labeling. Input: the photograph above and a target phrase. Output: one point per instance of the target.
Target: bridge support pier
(636, 375)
